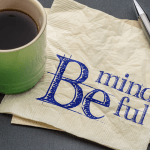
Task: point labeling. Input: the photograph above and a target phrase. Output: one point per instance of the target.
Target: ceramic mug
(21, 68)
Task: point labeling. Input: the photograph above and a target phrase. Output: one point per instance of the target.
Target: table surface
(16, 137)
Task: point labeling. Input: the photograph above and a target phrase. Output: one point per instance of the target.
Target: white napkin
(96, 82)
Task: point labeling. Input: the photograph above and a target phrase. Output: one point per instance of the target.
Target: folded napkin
(23, 121)
(96, 81)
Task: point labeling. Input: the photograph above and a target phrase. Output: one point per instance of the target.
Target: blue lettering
(49, 97)
(89, 98)
(123, 83)
(133, 119)
(142, 94)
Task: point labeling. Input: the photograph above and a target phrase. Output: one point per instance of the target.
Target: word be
(78, 96)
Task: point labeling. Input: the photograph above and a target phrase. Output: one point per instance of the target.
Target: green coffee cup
(21, 68)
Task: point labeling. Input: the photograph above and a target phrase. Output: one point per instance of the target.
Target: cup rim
(36, 38)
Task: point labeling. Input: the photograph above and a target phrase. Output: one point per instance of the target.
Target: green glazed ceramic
(21, 68)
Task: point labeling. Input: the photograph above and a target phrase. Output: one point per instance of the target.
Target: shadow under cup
(21, 68)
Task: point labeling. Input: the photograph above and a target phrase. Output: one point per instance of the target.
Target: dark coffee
(16, 29)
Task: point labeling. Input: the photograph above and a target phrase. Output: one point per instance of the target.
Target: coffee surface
(16, 29)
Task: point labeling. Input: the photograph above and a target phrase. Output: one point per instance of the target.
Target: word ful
(133, 119)
(78, 95)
